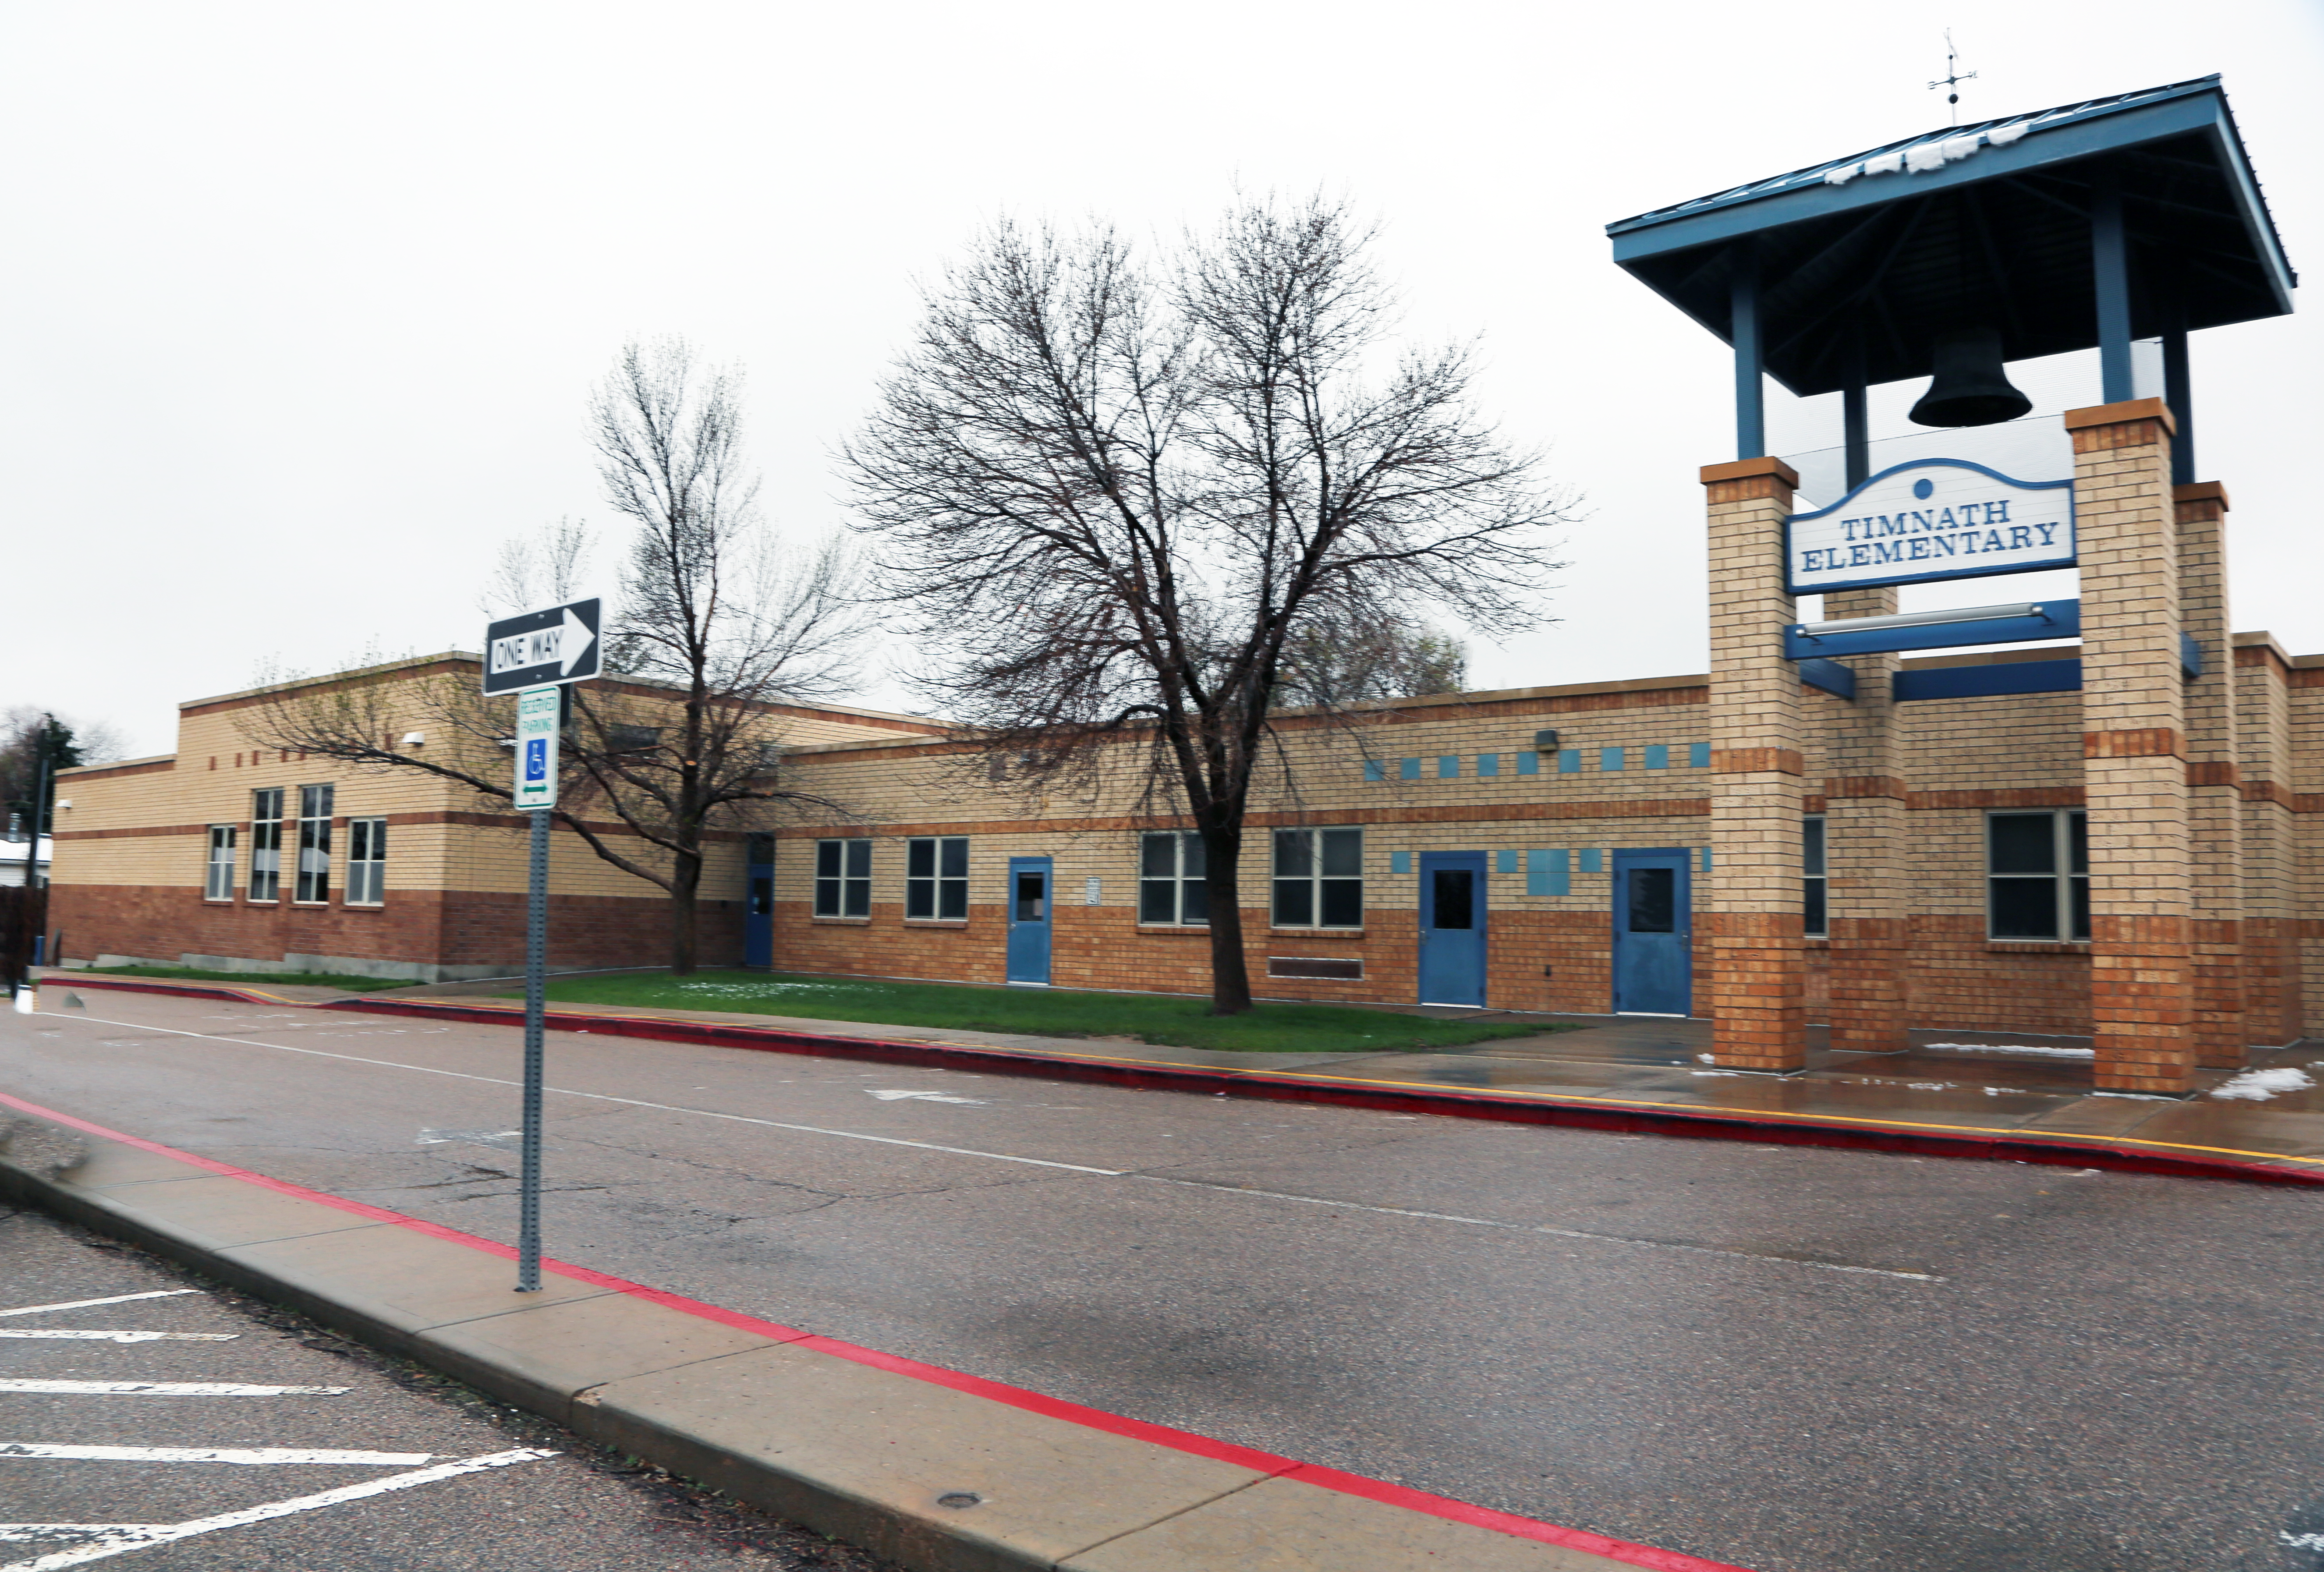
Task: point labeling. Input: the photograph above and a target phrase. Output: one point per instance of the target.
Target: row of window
(2037, 876)
(1485, 766)
(310, 882)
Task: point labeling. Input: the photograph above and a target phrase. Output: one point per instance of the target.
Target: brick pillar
(1865, 881)
(2134, 747)
(2273, 1012)
(1747, 934)
(2214, 790)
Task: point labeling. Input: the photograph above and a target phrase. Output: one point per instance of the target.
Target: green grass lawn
(255, 979)
(1042, 1012)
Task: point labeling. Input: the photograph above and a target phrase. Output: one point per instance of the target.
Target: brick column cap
(2122, 413)
(2201, 491)
(1743, 469)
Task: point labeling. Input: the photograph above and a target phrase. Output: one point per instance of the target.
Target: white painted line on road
(1080, 1168)
(120, 1336)
(1543, 1228)
(120, 1536)
(247, 1455)
(924, 1097)
(166, 1389)
(33, 1309)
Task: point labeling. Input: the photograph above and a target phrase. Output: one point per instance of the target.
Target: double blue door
(1654, 927)
(1029, 904)
(1453, 928)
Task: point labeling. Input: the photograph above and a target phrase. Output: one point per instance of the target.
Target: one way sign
(557, 645)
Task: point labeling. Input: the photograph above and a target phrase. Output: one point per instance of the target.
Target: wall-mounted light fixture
(1545, 741)
(415, 738)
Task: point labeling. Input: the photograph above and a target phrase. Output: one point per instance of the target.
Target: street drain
(960, 1498)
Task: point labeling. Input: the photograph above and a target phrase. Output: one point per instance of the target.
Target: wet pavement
(1790, 1359)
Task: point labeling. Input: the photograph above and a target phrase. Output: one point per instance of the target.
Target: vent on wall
(1350, 970)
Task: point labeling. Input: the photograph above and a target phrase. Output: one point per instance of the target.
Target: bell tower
(1945, 257)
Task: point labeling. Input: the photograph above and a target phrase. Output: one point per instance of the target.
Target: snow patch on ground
(2047, 1052)
(2260, 1085)
(756, 990)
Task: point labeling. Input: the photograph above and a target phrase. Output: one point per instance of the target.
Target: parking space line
(166, 1389)
(118, 1337)
(123, 1537)
(254, 1456)
(33, 1309)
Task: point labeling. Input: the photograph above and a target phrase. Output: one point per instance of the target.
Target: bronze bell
(1969, 386)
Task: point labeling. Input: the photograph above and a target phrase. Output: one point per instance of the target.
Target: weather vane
(1953, 77)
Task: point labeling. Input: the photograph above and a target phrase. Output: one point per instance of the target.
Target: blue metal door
(1028, 920)
(1654, 927)
(759, 915)
(1453, 928)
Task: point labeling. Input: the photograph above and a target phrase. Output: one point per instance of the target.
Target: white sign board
(536, 748)
(1932, 519)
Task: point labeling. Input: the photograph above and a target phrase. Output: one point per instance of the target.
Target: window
(633, 739)
(218, 883)
(1170, 880)
(1813, 921)
(366, 861)
(314, 843)
(935, 877)
(1319, 879)
(843, 878)
(2038, 875)
(266, 844)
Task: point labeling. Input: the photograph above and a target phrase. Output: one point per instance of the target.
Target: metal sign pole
(536, 981)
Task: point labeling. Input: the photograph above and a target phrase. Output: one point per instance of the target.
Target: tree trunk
(686, 881)
(1230, 975)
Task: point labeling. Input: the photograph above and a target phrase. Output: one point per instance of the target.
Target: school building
(2092, 814)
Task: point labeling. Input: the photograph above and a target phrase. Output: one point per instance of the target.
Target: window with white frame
(1319, 879)
(266, 844)
(217, 879)
(843, 878)
(366, 861)
(2038, 874)
(936, 876)
(1170, 891)
(313, 844)
(1813, 921)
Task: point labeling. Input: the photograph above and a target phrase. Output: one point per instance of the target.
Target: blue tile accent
(1528, 764)
(1657, 756)
(1488, 764)
(1698, 755)
(1375, 770)
(1569, 761)
(1706, 860)
(1448, 766)
(2191, 655)
(1407, 769)
(1593, 861)
(1399, 862)
(1549, 873)
(1504, 862)
(1610, 759)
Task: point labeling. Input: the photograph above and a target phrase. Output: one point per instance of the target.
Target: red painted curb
(1268, 1463)
(1290, 1085)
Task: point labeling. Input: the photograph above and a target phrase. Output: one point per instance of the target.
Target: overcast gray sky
(303, 301)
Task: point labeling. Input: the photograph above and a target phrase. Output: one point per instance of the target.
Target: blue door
(1453, 928)
(1028, 920)
(759, 904)
(1654, 927)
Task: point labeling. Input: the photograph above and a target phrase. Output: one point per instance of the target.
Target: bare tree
(718, 624)
(1394, 658)
(1110, 494)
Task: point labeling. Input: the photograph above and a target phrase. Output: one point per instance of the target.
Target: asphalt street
(1797, 1360)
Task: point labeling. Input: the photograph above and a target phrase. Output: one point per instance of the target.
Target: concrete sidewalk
(940, 1471)
(2016, 1098)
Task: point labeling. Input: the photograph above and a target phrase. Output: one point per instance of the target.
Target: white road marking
(117, 1538)
(120, 1336)
(249, 1455)
(505, 1140)
(33, 1309)
(1068, 1167)
(924, 1096)
(166, 1389)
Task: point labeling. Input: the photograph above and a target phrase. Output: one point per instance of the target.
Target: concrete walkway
(2010, 1097)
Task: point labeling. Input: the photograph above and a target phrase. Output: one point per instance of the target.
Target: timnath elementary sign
(1932, 519)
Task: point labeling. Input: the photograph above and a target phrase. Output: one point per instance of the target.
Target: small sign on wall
(1092, 889)
(1932, 519)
